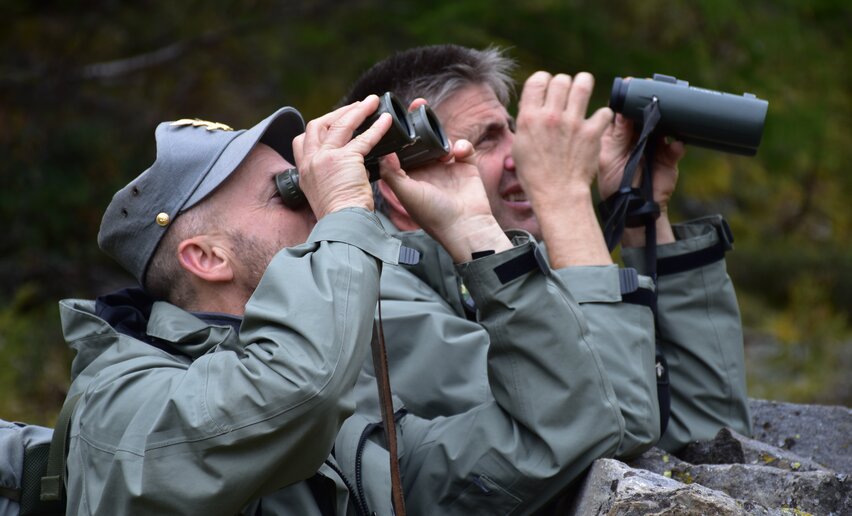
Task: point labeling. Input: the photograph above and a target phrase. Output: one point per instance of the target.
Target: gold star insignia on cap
(197, 122)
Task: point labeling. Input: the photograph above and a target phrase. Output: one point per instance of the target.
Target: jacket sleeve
(700, 334)
(623, 335)
(437, 357)
(553, 412)
(249, 417)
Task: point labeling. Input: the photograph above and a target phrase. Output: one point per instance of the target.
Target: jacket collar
(93, 328)
(188, 333)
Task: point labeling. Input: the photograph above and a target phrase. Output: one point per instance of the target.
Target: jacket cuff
(592, 284)
(602, 283)
(359, 228)
(699, 242)
(490, 272)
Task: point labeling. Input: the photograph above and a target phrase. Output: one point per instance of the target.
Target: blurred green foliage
(83, 84)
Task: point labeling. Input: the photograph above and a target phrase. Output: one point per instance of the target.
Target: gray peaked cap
(194, 157)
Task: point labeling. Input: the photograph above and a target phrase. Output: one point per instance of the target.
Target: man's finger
(557, 92)
(416, 103)
(340, 130)
(578, 97)
(463, 151)
(298, 148)
(316, 129)
(534, 90)
(364, 142)
(601, 120)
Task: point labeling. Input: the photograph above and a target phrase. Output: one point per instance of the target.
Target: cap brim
(277, 130)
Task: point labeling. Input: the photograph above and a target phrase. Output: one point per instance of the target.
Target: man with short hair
(436, 349)
(226, 391)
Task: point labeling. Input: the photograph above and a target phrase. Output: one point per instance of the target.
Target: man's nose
(509, 163)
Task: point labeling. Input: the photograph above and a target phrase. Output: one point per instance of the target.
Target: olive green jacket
(205, 419)
(437, 348)
(202, 418)
(699, 332)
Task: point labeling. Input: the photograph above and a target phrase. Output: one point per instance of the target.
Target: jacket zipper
(359, 452)
(360, 504)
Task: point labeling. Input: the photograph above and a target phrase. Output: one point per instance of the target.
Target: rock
(612, 487)
(776, 482)
(818, 432)
(656, 460)
(812, 492)
(729, 447)
(798, 463)
(723, 449)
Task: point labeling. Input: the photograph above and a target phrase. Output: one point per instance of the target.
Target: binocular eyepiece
(697, 116)
(417, 138)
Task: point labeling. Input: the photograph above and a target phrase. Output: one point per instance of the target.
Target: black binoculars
(706, 118)
(417, 138)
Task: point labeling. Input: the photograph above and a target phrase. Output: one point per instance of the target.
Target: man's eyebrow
(474, 131)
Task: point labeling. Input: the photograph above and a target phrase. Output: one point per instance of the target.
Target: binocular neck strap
(380, 365)
(634, 207)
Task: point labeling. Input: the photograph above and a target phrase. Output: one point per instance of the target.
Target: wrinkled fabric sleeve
(239, 422)
(437, 357)
(623, 335)
(700, 334)
(553, 413)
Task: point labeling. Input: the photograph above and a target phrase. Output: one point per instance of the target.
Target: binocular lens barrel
(430, 143)
(400, 134)
(417, 138)
(698, 116)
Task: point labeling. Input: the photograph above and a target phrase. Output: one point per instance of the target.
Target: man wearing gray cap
(225, 392)
(231, 381)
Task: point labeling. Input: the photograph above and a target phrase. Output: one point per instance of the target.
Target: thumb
(390, 171)
(462, 150)
(672, 152)
(621, 131)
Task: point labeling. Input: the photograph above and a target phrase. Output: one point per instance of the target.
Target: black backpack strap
(53, 482)
(11, 493)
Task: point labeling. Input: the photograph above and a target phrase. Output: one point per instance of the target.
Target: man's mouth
(515, 197)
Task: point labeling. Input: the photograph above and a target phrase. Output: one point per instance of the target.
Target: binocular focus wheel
(287, 183)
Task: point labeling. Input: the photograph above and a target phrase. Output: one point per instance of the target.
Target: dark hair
(434, 73)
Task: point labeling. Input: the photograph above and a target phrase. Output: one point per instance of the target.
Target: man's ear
(396, 211)
(204, 258)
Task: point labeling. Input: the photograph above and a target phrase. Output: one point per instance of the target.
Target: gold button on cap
(163, 219)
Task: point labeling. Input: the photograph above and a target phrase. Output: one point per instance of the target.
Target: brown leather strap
(380, 364)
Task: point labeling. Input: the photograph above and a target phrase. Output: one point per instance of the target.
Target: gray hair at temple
(435, 73)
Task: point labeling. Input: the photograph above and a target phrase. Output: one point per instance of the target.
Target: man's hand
(331, 162)
(447, 199)
(616, 144)
(556, 147)
(556, 151)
